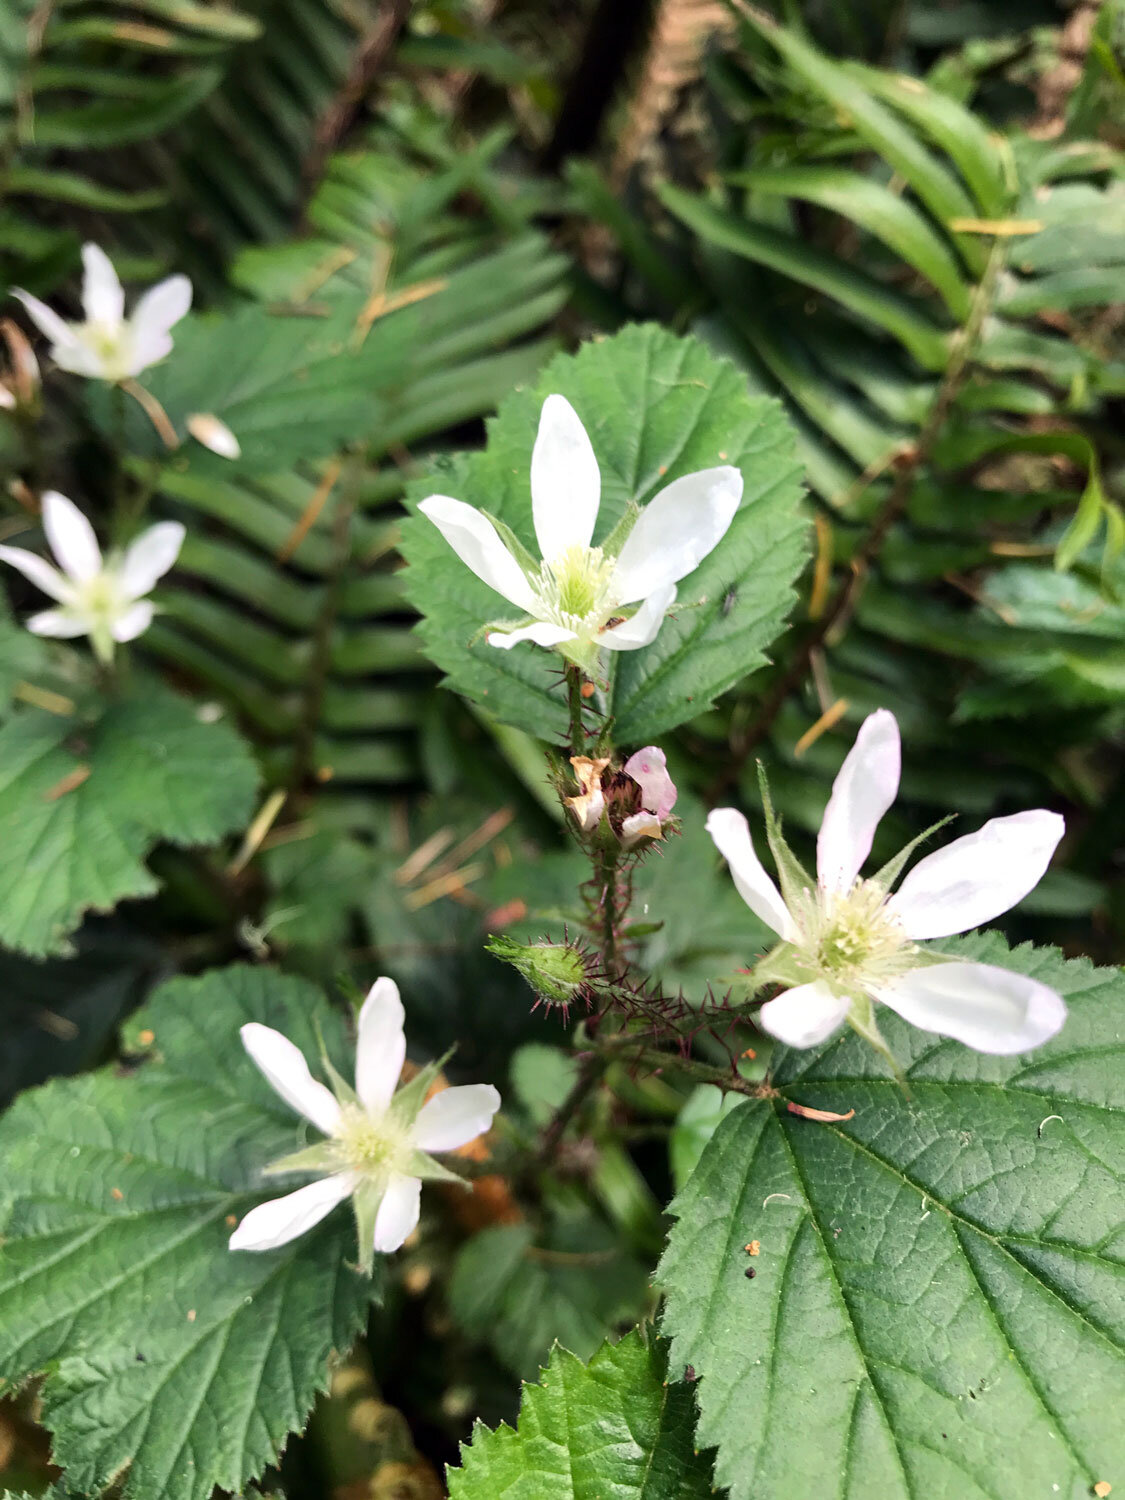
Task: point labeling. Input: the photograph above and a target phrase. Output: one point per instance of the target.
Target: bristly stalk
(574, 698)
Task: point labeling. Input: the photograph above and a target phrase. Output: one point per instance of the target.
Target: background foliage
(896, 231)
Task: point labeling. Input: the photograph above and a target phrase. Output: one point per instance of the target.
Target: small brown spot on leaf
(191, 1315)
(1102, 1488)
(146, 1037)
(116, 1194)
(754, 1247)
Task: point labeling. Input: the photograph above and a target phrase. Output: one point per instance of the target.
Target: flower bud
(559, 973)
(207, 429)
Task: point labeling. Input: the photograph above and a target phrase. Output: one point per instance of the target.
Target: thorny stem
(962, 348)
(574, 698)
(606, 912)
(590, 1071)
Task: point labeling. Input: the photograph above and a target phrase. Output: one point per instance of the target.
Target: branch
(345, 107)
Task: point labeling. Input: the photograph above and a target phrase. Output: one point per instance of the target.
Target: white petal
(149, 558)
(80, 359)
(644, 626)
(397, 1217)
(71, 537)
(380, 1045)
(541, 633)
(58, 623)
(731, 834)
(132, 622)
(804, 1016)
(976, 878)
(676, 531)
(160, 309)
(861, 794)
(147, 348)
(475, 541)
(989, 1009)
(103, 300)
(455, 1116)
(41, 573)
(283, 1219)
(288, 1075)
(48, 322)
(208, 429)
(649, 768)
(566, 484)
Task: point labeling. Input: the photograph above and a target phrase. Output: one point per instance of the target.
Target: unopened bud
(207, 429)
(559, 973)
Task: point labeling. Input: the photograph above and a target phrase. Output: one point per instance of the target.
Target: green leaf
(656, 407)
(165, 1353)
(706, 1109)
(884, 132)
(883, 213)
(938, 1291)
(857, 291)
(610, 1430)
(152, 770)
(541, 1079)
(977, 150)
(521, 1297)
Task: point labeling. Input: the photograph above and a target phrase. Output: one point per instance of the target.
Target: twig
(590, 1071)
(344, 109)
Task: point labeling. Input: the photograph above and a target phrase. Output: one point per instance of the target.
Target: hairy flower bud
(559, 973)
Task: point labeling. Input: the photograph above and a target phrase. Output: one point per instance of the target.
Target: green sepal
(408, 1101)
(429, 1170)
(893, 868)
(779, 966)
(318, 1158)
(365, 1205)
(620, 534)
(861, 1018)
(529, 564)
(340, 1086)
(797, 885)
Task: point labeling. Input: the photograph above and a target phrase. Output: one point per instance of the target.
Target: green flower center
(851, 939)
(111, 343)
(373, 1147)
(101, 596)
(574, 587)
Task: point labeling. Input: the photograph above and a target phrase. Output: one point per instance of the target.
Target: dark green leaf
(169, 1357)
(611, 1430)
(938, 1292)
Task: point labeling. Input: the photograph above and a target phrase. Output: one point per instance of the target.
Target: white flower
(108, 345)
(103, 599)
(848, 943)
(378, 1141)
(579, 597)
